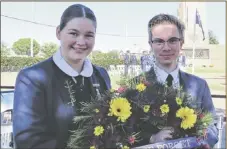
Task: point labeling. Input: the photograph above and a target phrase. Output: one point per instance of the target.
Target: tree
(22, 46)
(49, 48)
(212, 38)
(4, 49)
(113, 53)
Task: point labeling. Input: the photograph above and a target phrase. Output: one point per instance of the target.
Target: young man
(143, 61)
(166, 37)
(127, 62)
(182, 61)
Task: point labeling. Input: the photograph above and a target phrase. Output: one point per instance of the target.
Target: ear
(58, 32)
(150, 43)
(181, 44)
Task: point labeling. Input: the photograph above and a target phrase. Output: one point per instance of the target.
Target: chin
(77, 59)
(166, 62)
(78, 56)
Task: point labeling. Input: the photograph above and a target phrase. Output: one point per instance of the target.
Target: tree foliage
(97, 58)
(4, 49)
(49, 49)
(212, 38)
(22, 46)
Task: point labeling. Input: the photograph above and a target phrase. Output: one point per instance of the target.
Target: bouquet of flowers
(123, 118)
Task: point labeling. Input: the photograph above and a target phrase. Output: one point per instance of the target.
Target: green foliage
(99, 58)
(114, 53)
(18, 62)
(212, 38)
(49, 49)
(22, 46)
(207, 119)
(125, 81)
(80, 120)
(4, 50)
(105, 59)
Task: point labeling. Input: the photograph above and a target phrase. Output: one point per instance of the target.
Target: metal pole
(31, 45)
(220, 128)
(193, 50)
(209, 57)
(126, 34)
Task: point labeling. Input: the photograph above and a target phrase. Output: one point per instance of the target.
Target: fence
(133, 70)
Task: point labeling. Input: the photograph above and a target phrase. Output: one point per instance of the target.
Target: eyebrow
(157, 39)
(163, 39)
(75, 30)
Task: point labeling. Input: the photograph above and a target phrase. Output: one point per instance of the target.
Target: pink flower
(146, 83)
(131, 140)
(198, 140)
(121, 89)
(201, 115)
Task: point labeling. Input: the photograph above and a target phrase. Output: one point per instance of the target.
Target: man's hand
(165, 133)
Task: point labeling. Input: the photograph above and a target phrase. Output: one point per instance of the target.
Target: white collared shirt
(66, 68)
(162, 76)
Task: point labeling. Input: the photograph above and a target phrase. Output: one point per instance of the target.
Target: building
(187, 14)
(193, 32)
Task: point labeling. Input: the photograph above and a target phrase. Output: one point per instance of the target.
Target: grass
(213, 85)
(9, 78)
(114, 80)
(216, 87)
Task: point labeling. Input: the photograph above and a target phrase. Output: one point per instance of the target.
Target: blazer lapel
(62, 84)
(187, 84)
(182, 79)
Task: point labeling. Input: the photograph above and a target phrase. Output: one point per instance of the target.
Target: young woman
(48, 94)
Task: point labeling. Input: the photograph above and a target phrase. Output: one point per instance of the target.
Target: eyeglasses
(159, 43)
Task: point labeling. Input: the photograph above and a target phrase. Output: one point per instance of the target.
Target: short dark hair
(166, 18)
(77, 10)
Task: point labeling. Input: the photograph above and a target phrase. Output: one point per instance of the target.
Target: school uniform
(47, 98)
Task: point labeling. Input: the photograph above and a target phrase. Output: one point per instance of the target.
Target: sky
(120, 19)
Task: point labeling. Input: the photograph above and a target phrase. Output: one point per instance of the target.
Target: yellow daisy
(179, 101)
(125, 147)
(146, 108)
(92, 147)
(120, 107)
(140, 87)
(98, 130)
(164, 108)
(96, 110)
(188, 117)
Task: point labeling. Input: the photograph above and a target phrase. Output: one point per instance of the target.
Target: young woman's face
(77, 39)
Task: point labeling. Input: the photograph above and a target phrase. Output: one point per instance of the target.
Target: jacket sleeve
(105, 76)
(30, 127)
(207, 105)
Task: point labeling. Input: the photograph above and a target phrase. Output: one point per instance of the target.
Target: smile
(79, 49)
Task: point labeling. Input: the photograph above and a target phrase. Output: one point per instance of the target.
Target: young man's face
(166, 53)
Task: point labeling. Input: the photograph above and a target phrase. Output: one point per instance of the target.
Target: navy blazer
(198, 89)
(41, 110)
